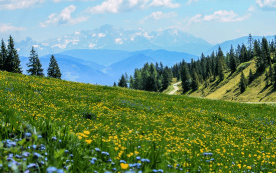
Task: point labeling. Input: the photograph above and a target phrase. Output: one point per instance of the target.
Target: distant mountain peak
(106, 28)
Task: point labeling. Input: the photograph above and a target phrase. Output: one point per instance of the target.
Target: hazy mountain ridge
(225, 46)
(106, 37)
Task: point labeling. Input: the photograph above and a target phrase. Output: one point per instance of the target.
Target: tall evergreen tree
(114, 84)
(220, 71)
(122, 82)
(137, 79)
(265, 52)
(185, 78)
(12, 62)
(233, 65)
(35, 67)
(53, 70)
(195, 80)
(3, 55)
(250, 47)
(131, 82)
(242, 83)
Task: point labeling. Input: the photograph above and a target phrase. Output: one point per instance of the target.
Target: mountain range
(106, 37)
(105, 66)
(102, 55)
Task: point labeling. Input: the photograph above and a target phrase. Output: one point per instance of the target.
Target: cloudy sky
(213, 20)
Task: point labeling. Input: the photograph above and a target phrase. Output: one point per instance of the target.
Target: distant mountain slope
(128, 65)
(109, 57)
(225, 46)
(73, 71)
(106, 37)
(99, 56)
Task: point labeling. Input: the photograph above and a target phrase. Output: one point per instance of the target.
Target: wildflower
(86, 132)
(124, 166)
(88, 141)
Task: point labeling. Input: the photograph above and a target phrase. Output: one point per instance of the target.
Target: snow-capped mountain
(106, 37)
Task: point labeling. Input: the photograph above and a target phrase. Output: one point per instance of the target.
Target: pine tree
(251, 77)
(114, 84)
(195, 80)
(35, 67)
(131, 82)
(12, 62)
(122, 82)
(137, 79)
(233, 65)
(250, 47)
(265, 52)
(167, 76)
(242, 83)
(185, 78)
(3, 55)
(53, 70)
(220, 71)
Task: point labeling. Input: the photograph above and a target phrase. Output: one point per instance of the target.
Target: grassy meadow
(89, 128)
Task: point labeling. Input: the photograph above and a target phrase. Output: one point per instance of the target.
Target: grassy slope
(229, 88)
(170, 129)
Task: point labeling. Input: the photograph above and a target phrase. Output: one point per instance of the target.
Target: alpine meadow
(137, 86)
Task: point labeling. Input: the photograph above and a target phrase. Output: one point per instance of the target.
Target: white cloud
(70, 0)
(63, 18)
(164, 3)
(19, 4)
(251, 8)
(267, 4)
(159, 15)
(219, 16)
(117, 6)
(191, 1)
(4, 27)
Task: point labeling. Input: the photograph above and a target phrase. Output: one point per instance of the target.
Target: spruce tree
(250, 47)
(3, 55)
(35, 67)
(242, 83)
(53, 70)
(233, 65)
(12, 62)
(220, 71)
(265, 52)
(137, 79)
(131, 82)
(122, 82)
(185, 78)
(195, 80)
(114, 84)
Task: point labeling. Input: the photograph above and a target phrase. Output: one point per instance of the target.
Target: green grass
(167, 130)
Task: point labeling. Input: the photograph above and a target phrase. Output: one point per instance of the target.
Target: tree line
(151, 77)
(10, 62)
(213, 67)
(208, 68)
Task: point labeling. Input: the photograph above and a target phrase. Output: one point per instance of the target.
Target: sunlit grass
(171, 131)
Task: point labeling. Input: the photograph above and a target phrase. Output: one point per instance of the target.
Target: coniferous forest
(209, 68)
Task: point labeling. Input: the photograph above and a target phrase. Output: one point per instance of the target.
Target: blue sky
(213, 20)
